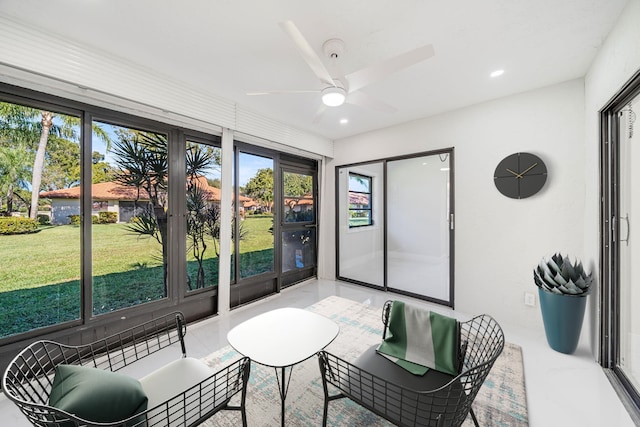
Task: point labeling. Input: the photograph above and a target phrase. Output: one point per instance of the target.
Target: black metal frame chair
(434, 400)
(28, 379)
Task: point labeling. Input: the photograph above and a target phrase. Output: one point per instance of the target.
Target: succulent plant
(559, 276)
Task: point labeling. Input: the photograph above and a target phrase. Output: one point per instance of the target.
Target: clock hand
(515, 173)
(528, 169)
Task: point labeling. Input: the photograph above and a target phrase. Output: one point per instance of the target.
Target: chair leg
(244, 416)
(325, 413)
(473, 416)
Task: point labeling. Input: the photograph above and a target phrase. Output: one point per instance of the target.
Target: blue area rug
(500, 402)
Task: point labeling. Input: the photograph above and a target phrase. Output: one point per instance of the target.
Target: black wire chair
(434, 400)
(29, 377)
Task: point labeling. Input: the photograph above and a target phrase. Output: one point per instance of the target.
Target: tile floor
(562, 390)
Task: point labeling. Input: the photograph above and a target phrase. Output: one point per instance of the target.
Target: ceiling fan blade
(319, 114)
(309, 55)
(366, 76)
(272, 92)
(363, 100)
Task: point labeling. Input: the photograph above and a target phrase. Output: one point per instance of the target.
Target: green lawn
(356, 222)
(40, 274)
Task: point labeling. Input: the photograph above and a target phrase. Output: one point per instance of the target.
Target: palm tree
(142, 161)
(38, 163)
(67, 128)
(21, 123)
(13, 171)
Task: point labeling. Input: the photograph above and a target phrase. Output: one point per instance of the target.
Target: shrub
(74, 219)
(107, 217)
(44, 219)
(18, 225)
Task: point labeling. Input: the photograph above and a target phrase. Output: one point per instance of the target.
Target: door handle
(626, 219)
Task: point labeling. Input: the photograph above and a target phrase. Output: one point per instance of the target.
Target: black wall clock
(520, 175)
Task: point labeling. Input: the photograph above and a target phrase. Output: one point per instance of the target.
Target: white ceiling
(231, 47)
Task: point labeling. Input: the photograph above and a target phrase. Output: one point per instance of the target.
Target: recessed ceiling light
(497, 73)
(344, 121)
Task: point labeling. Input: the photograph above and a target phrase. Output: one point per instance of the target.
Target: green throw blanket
(419, 340)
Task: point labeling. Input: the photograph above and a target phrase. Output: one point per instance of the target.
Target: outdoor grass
(256, 248)
(40, 273)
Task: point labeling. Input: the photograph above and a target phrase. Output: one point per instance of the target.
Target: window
(203, 183)
(360, 213)
(40, 274)
(254, 231)
(298, 197)
(125, 220)
(128, 252)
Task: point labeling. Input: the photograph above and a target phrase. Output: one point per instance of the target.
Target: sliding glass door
(253, 227)
(418, 226)
(360, 223)
(275, 225)
(629, 270)
(620, 258)
(298, 225)
(395, 225)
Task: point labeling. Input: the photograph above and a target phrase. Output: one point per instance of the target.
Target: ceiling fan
(338, 90)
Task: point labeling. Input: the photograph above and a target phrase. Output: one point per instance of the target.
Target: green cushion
(96, 395)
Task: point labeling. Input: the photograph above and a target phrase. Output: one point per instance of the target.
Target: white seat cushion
(174, 378)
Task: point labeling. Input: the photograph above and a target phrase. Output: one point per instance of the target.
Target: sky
(249, 163)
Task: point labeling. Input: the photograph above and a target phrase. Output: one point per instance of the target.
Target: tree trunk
(161, 219)
(9, 200)
(38, 164)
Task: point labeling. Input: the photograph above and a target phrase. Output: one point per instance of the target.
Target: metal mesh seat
(28, 379)
(434, 400)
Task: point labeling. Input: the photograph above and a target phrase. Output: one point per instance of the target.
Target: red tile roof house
(111, 197)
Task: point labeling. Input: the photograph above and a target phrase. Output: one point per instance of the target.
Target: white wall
(498, 240)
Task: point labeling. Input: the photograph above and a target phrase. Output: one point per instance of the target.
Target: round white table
(282, 338)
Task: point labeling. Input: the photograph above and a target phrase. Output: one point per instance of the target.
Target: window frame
(370, 223)
(196, 304)
(90, 326)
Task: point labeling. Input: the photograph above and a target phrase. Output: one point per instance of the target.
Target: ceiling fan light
(333, 96)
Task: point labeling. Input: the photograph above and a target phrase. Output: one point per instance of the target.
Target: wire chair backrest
(481, 342)
(29, 377)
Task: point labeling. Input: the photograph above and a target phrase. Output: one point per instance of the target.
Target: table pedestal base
(283, 387)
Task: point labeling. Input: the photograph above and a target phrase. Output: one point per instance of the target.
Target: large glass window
(254, 231)
(102, 213)
(203, 183)
(129, 217)
(39, 241)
